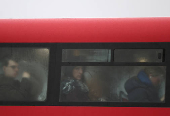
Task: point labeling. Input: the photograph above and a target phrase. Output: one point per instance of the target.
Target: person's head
(75, 72)
(10, 67)
(155, 74)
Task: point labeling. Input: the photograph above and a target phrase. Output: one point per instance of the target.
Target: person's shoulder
(1, 76)
(4, 80)
(133, 83)
(67, 85)
(1, 79)
(68, 80)
(132, 80)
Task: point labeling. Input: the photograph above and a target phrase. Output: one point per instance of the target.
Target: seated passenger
(143, 87)
(73, 88)
(12, 89)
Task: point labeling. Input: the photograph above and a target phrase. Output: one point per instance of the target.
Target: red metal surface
(84, 30)
(81, 111)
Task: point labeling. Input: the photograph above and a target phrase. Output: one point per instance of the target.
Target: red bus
(107, 66)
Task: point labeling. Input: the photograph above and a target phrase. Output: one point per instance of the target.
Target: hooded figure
(143, 87)
(73, 88)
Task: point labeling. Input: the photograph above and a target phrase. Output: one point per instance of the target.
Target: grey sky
(83, 8)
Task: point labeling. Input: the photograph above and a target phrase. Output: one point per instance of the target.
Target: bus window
(138, 55)
(23, 74)
(113, 84)
(86, 55)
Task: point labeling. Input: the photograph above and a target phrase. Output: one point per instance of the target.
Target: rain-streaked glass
(107, 83)
(33, 61)
(86, 55)
(138, 55)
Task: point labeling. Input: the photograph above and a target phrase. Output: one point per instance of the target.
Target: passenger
(12, 89)
(143, 87)
(73, 88)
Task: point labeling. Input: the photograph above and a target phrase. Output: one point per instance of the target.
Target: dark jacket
(14, 90)
(140, 89)
(73, 91)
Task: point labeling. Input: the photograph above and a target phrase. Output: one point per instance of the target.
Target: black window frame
(55, 64)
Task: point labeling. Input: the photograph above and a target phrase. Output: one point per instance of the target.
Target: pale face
(11, 70)
(78, 72)
(155, 80)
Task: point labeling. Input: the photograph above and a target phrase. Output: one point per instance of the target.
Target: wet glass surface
(86, 55)
(112, 83)
(138, 55)
(28, 69)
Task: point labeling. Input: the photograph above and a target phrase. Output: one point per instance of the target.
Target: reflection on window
(23, 74)
(86, 55)
(112, 84)
(138, 55)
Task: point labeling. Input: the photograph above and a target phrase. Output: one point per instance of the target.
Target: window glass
(112, 84)
(138, 55)
(86, 55)
(23, 74)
